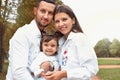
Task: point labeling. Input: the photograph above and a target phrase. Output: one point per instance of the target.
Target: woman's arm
(56, 75)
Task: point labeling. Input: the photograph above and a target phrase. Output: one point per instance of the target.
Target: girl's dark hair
(48, 1)
(46, 38)
(66, 9)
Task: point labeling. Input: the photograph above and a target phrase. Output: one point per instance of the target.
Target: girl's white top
(42, 57)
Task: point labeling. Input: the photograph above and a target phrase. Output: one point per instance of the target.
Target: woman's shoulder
(79, 38)
(78, 35)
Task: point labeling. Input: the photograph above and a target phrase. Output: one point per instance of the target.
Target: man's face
(44, 13)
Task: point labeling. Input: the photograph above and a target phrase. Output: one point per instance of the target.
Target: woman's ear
(35, 10)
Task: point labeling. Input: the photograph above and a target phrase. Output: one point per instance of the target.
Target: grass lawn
(108, 61)
(109, 74)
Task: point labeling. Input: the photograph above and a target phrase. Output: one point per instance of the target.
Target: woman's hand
(55, 75)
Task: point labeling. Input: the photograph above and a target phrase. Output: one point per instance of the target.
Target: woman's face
(63, 23)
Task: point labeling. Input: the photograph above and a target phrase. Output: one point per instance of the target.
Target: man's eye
(51, 13)
(43, 11)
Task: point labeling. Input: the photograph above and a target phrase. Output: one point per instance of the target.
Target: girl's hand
(45, 66)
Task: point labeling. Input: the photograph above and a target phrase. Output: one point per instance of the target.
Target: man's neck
(41, 28)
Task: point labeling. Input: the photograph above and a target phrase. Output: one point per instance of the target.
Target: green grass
(106, 61)
(109, 74)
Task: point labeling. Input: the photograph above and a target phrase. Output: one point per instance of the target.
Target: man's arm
(19, 49)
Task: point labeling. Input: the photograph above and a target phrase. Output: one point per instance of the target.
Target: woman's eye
(56, 21)
(64, 19)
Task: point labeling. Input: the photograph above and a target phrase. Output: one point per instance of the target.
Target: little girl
(48, 47)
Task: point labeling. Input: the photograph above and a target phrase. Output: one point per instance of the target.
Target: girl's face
(49, 48)
(64, 23)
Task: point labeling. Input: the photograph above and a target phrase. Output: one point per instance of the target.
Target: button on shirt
(77, 57)
(23, 49)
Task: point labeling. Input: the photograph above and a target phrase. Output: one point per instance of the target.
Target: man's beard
(40, 25)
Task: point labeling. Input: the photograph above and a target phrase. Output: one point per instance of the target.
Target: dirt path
(109, 66)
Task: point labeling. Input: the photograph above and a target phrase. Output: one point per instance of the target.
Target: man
(24, 45)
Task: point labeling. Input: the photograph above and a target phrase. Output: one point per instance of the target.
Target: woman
(77, 59)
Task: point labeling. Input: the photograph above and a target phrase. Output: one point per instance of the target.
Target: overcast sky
(98, 18)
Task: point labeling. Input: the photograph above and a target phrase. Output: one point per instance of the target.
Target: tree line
(106, 48)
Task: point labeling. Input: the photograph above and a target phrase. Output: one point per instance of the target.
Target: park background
(99, 19)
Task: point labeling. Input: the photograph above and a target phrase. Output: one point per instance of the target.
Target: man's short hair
(48, 1)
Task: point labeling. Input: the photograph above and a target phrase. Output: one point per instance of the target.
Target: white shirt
(77, 57)
(35, 66)
(23, 49)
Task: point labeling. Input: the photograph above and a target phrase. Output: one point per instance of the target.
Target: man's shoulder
(27, 27)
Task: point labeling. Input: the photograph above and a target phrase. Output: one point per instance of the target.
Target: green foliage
(115, 48)
(25, 12)
(59, 2)
(105, 48)
(102, 48)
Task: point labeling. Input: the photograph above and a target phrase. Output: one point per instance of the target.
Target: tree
(6, 11)
(102, 48)
(1, 47)
(115, 48)
(2, 29)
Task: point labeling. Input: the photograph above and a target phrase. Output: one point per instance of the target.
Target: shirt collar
(34, 25)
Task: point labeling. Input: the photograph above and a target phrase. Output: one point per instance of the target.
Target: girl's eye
(52, 45)
(45, 44)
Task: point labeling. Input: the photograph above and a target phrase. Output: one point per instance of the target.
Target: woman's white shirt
(77, 57)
